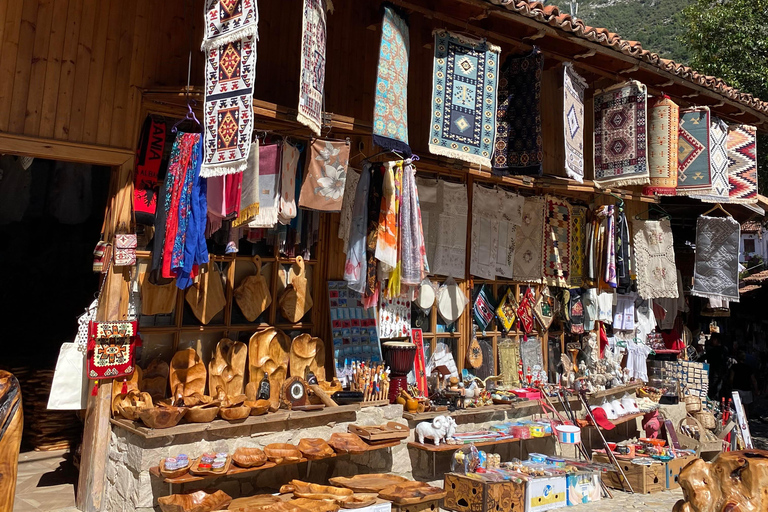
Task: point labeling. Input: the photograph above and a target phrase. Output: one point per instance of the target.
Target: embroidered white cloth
(624, 316)
(493, 235)
(451, 227)
(430, 209)
(511, 217)
(655, 257)
(605, 307)
(528, 263)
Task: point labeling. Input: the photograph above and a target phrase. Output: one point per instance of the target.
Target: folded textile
(663, 128)
(249, 189)
(269, 187)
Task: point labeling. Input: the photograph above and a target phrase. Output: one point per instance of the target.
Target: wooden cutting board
(206, 297)
(347, 443)
(410, 493)
(296, 299)
(253, 295)
(380, 433)
(373, 482)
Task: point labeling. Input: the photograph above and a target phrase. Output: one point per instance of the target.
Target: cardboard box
(473, 494)
(643, 479)
(673, 468)
(546, 493)
(583, 487)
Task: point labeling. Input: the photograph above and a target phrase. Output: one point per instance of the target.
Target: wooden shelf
(234, 470)
(264, 422)
(453, 447)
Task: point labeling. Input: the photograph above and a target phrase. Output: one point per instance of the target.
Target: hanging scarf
(149, 156)
(386, 238)
(609, 276)
(413, 254)
(249, 190)
(374, 207)
(269, 187)
(590, 271)
(175, 184)
(223, 199)
(288, 165)
(623, 254)
(195, 247)
(355, 267)
(395, 279)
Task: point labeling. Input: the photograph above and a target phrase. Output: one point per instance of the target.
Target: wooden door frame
(96, 434)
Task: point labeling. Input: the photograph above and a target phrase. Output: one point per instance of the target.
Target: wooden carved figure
(187, 375)
(226, 371)
(268, 355)
(11, 424)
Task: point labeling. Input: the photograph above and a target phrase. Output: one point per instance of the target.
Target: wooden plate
(410, 493)
(249, 457)
(172, 474)
(195, 468)
(197, 501)
(359, 501)
(315, 505)
(311, 491)
(282, 452)
(372, 482)
(347, 443)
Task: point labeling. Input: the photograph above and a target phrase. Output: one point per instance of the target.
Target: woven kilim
(742, 164)
(390, 113)
(312, 76)
(578, 244)
(557, 242)
(529, 242)
(463, 98)
(718, 160)
(655, 258)
(716, 270)
(573, 122)
(663, 121)
(518, 147)
(230, 36)
(620, 136)
(693, 169)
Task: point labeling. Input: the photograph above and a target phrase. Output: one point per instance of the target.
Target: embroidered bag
(101, 253)
(111, 349)
(507, 310)
(326, 176)
(544, 308)
(483, 309)
(125, 250)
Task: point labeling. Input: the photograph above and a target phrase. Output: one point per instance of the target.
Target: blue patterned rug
(464, 98)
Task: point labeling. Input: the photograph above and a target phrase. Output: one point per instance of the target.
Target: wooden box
(673, 468)
(426, 506)
(467, 494)
(643, 479)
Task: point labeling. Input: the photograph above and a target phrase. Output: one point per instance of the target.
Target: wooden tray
(379, 433)
(347, 443)
(195, 469)
(411, 493)
(172, 474)
(372, 482)
(359, 501)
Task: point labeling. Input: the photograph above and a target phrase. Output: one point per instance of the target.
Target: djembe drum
(399, 357)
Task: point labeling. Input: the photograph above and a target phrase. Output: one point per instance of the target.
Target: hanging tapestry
(428, 191)
(227, 21)
(578, 244)
(269, 187)
(655, 258)
(716, 269)
(326, 177)
(149, 156)
(529, 242)
(693, 169)
(463, 98)
(742, 164)
(573, 122)
(486, 203)
(518, 148)
(663, 127)
(312, 70)
(557, 242)
(718, 159)
(483, 308)
(620, 136)
(451, 228)
(544, 308)
(525, 311)
(624, 270)
(413, 252)
(390, 113)
(228, 110)
(511, 217)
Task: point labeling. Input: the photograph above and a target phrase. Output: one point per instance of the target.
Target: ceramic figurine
(440, 429)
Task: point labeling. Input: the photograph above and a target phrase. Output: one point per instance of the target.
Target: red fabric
(149, 156)
(603, 339)
(232, 185)
(602, 419)
(673, 340)
(178, 168)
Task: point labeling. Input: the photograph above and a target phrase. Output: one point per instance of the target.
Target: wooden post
(113, 305)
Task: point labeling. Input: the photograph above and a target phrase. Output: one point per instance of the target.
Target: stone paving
(46, 482)
(657, 502)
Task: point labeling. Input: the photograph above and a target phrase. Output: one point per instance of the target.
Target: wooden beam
(64, 151)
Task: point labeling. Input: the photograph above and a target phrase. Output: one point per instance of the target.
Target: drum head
(427, 294)
(399, 344)
(450, 302)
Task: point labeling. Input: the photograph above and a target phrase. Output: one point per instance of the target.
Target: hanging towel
(249, 190)
(269, 187)
(288, 165)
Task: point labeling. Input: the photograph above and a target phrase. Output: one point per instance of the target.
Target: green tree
(729, 39)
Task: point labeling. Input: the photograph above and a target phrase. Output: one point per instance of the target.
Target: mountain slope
(657, 24)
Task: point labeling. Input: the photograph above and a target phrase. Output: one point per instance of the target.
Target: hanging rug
(716, 269)
(663, 126)
(742, 164)
(463, 98)
(693, 150)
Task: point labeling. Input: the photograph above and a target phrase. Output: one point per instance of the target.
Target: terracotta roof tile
(551, 15)
(751, 227)
(756, 278)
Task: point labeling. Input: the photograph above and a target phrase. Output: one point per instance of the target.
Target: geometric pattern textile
(573, 122)
(663, 117)
(390, 113)
(312, 70)
(463, 98)
(655, 257)
(228, 123)
(227, 21)
(578, 244)
(718, 151)
(693, 152)
(742, 164)
(518, 147)
(621, 144)
(529, 242)
(557, 242)
(716, 269)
